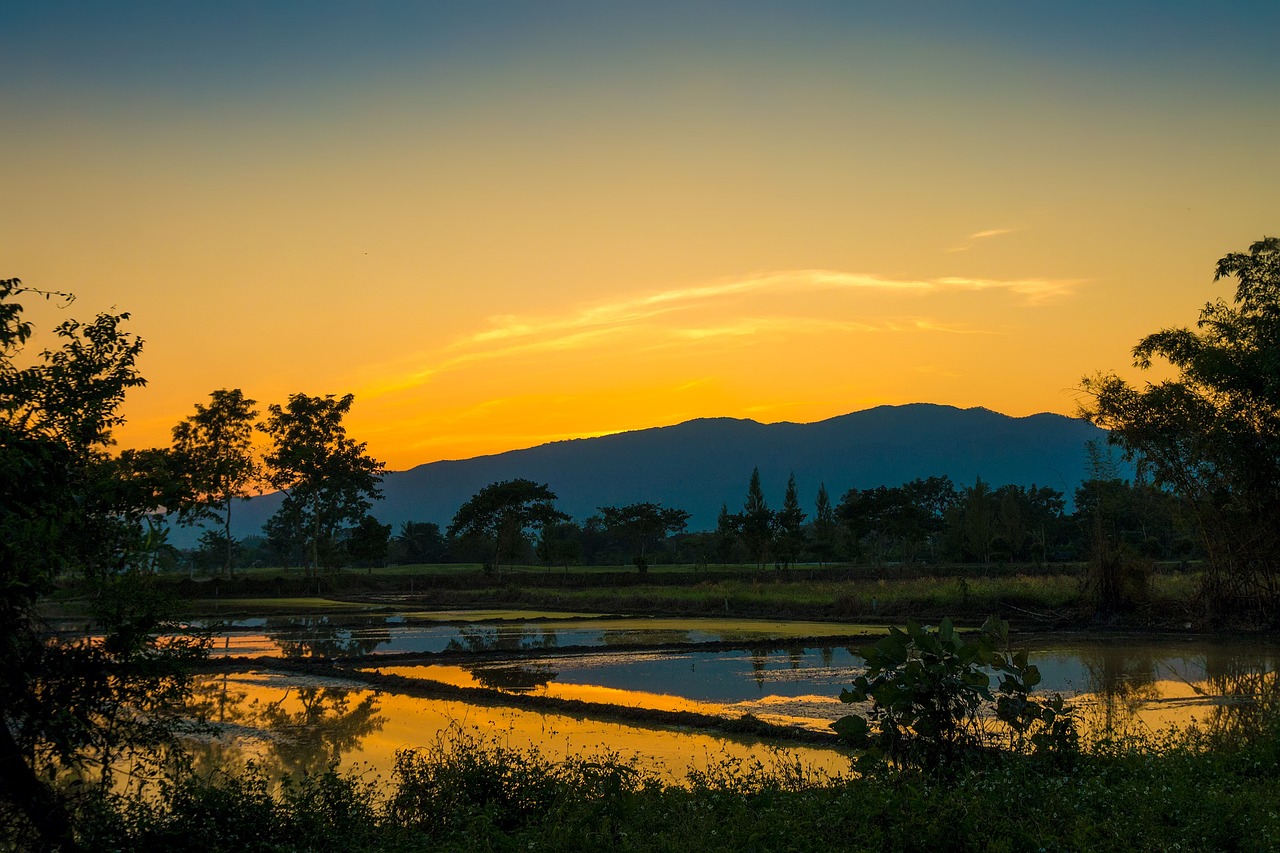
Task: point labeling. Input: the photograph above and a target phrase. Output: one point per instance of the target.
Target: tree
(367, 542)
(78, 703)
(644, 525)
(502, 512)
(1212, 433)
(328, 479)
(420, 542)
(974, 519)
(728, 526)
(790, 525)
(215, 462)
(757, 521)
(824, 526)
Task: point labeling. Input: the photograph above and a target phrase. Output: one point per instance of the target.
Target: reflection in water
(295, 729)
(321, 723)
(513, 677)
(317, 725)
(479, 638)
(1129, 687)
(1122, 680)
(352, 634)
(1251, 694)
(789, 687)
(1118, 687)
(324, 636)
(645, 636)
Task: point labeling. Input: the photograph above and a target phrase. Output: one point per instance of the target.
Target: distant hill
(699, 465)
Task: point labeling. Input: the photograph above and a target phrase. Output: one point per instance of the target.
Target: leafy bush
(929, 687)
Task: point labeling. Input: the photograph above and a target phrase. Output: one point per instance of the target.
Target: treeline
(926, 521)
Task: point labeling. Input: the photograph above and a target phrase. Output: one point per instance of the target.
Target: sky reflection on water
(1119, 684)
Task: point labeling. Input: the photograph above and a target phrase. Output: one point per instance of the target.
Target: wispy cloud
(637, 309)
(704, 313)
(990, 232)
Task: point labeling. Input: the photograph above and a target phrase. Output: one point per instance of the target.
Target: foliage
(501, 513)
(419, 542)
(756, 521)
(825, 530)
(1212, 434)
(643, 525)
(328, 479)
(789, 525)
(75, 706)
(214, 462)
(726, 534)
(465, 793)
(928, 688)
(903, 522)
(367, 542)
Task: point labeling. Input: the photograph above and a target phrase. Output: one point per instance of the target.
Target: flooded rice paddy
(788, 673)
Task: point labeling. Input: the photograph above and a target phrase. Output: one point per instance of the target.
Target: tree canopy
(328, 479)
(1212, 432)
(75, 704)
(502, 512)
(214, 460)
(643, 525)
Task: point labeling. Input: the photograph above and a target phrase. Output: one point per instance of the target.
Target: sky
(505, 223)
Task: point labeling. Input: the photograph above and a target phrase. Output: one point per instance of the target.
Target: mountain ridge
(700, 464)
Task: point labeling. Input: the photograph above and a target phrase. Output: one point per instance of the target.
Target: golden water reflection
(538, 680)
(290, 724)
(1136, 686)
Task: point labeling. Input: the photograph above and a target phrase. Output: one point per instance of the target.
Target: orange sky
(509, 224)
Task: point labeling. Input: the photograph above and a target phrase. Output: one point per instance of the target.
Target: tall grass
(1192, 791)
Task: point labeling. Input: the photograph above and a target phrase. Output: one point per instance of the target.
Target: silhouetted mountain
(699, 465)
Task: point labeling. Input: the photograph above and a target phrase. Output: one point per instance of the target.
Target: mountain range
(702, 464)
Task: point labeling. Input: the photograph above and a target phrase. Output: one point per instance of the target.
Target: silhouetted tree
(214, 462)
(757, 521)
(643, 525)
(328, 479)
(82, 704)
(367, 542)
(825, 530)
(502, 512)
(1212, 434)
(789, 525)
(420, 542)
(727, 528)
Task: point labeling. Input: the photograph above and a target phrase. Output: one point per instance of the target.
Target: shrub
(928, 688)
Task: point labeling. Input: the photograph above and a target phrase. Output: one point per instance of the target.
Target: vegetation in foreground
(1190, 791)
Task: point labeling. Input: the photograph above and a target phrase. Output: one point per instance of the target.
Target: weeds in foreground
(1191, 790)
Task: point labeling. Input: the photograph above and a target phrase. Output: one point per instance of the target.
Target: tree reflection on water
(514, 678)
(326, 637)
(1250, 691)
(472, 638)
(1228, 690)
(325, 723)
(1123, 681)
(305, 729)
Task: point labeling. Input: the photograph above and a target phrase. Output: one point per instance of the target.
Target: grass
(1047, 596)
(1190, 791)
(820, 600)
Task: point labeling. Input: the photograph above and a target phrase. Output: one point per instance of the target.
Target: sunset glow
(500, 224)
